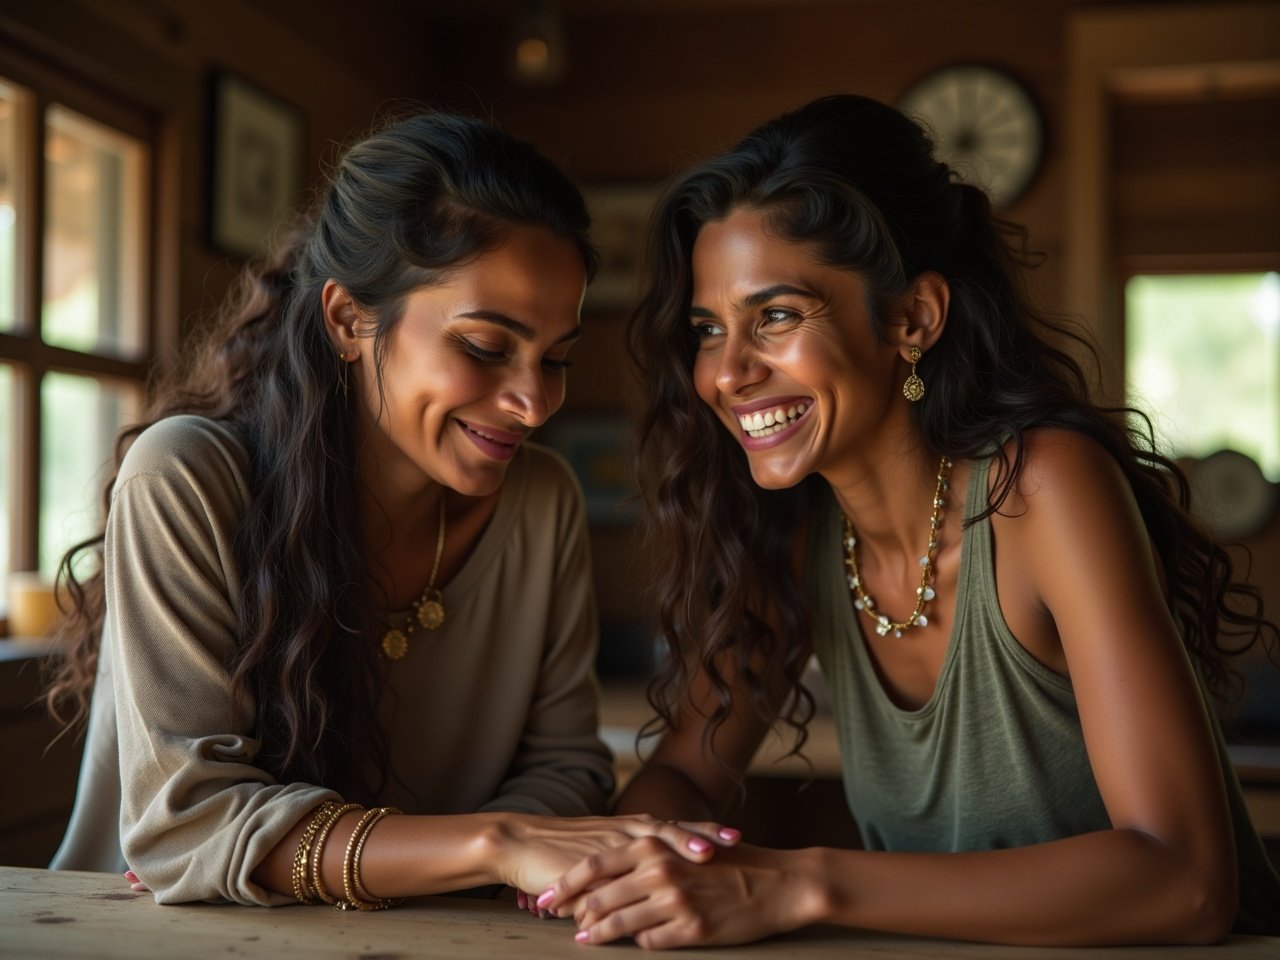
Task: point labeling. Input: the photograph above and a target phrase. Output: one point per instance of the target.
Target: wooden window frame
(22, 348)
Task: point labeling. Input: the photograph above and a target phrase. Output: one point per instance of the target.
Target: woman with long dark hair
(862, 441)
(334, 575)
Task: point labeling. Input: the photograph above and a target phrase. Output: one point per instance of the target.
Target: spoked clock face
(985, 125)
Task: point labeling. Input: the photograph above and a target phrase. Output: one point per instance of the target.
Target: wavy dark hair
(858, 182)
(403, 207)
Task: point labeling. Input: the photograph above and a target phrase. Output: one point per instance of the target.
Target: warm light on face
(787, 355)
(475, 364)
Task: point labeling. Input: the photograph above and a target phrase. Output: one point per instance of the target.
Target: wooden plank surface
(64, 915)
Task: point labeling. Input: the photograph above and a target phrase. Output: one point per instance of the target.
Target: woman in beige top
(334, 571)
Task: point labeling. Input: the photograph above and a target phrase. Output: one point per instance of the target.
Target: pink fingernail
(582, 936)
(699, 846)
(546, 897)
(728, 833)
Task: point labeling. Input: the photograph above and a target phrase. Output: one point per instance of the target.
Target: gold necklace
(924, 592)
(428, 609)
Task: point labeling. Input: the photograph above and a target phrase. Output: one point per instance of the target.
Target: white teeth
(481, 433)
(766, 424)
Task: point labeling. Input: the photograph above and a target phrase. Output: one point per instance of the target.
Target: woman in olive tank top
(862, 441)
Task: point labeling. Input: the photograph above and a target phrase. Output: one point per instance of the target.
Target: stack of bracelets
(308, 886)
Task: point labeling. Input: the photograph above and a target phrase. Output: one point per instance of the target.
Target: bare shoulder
(1071, 544)
(1064, 470)
(1073, 518)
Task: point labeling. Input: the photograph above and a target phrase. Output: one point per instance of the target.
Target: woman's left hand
(646, 891)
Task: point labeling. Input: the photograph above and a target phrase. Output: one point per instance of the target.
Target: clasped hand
(646, 891)
(540, 850)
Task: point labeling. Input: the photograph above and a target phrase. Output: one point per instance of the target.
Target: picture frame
(257, 146)
(619, 219)
(596, 445)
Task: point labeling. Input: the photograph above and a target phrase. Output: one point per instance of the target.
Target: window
(9, 105)
(75, 313)
(1203, 359)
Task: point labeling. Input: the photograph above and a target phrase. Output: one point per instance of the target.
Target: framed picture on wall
(255, 170)
(619, 215)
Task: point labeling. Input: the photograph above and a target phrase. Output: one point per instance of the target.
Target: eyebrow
(521, 330)
(759, 297)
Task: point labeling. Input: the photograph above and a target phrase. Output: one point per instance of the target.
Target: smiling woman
(335, 574)
(850, 396)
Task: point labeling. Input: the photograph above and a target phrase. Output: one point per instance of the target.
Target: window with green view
(1202, 357)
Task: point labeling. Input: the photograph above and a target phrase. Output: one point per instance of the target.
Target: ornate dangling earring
(913, 387)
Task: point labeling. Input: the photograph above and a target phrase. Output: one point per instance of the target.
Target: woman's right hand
(534, 851)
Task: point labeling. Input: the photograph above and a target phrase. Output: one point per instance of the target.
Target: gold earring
(342, 374)
(913, 387)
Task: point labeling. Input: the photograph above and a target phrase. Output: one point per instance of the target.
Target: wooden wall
(158, 55)
(647, 93)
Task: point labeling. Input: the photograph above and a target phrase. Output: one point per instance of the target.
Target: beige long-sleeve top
(496, 710)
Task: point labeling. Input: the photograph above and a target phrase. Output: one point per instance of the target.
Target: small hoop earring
(913, 387)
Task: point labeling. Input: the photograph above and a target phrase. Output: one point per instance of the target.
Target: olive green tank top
(996, 757)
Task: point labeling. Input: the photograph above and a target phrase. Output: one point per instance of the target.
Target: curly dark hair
(403, 206)
(858, 181)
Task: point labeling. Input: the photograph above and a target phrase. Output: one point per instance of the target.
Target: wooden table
(65, 915)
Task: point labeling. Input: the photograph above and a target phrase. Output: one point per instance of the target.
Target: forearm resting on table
(403, 856)
(1109, 887)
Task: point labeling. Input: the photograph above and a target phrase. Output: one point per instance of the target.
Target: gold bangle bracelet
(353, 901)
(322, 835)
(302, 856)
(357, 896)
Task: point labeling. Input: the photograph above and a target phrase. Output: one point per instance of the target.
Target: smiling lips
(498, 444)
(769, 421)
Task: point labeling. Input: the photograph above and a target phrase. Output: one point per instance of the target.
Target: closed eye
(490, 356)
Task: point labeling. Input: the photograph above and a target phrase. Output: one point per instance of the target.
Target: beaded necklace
(925, 592)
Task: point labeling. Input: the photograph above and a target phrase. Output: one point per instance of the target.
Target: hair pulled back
(403, 207)
(858, 182)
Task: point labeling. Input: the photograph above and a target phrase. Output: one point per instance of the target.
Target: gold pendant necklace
(428, 609)
(925, 592)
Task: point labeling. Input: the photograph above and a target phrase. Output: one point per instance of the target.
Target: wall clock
(985, 124)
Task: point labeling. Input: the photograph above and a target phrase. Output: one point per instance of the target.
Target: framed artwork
(619, 217)
(596, 446)
(257, 148)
